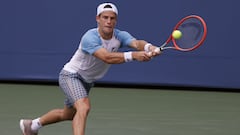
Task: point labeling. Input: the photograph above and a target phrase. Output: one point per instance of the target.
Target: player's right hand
(142, 56)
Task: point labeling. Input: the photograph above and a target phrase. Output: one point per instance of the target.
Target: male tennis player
(97, 51)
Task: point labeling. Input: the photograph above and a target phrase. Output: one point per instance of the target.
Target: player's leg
(57, 115)
(76, 91)
(79, 121)
(31, 127)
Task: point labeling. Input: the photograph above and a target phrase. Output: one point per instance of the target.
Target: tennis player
(97, 51)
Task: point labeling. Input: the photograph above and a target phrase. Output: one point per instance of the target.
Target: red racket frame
(195, 46)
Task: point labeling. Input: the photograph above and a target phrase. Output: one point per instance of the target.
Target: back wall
(38, 37)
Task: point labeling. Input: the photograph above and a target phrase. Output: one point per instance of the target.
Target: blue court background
(38, 37)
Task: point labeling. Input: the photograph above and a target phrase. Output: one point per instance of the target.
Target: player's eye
(105, 17)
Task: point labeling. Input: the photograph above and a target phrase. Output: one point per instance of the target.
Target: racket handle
(161, 49)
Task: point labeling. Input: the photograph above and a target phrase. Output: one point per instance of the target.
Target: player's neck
(105, 36)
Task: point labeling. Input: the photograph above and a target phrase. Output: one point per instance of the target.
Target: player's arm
(121, 57)
(142, 45)
(142, 54)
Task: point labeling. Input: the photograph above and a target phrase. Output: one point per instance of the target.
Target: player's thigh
(73, 86)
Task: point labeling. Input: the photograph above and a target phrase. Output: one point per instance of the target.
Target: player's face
(106, 23)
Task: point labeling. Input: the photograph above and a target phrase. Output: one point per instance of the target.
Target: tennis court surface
(118, 111)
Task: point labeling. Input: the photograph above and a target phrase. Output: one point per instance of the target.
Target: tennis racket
(194, 32)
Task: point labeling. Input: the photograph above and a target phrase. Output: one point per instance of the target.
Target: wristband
(146, 47)
(128, 56)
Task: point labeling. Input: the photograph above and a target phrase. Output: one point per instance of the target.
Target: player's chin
(108, 31)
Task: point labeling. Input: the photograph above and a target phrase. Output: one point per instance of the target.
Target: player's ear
(97, 18)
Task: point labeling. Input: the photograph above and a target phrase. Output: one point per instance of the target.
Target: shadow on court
(118, 111)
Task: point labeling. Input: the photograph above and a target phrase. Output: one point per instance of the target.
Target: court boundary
(128, 85)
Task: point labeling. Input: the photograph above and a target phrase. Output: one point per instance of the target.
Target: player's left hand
(155, 50)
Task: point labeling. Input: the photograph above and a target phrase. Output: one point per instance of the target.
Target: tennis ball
(177, 34)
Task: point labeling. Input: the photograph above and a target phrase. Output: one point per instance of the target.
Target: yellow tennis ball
(177, 34)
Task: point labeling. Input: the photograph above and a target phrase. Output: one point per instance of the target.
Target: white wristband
(128, 56)
(146, 47)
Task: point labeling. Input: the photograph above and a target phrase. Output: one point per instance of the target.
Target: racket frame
(175, 46)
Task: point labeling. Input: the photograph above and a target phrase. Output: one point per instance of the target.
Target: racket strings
(192, 33)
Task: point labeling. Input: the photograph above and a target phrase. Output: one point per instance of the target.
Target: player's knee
(65, 115)
(83, 107)
(84, 110)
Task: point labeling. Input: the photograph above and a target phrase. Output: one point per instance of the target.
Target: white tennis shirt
(88, 66)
